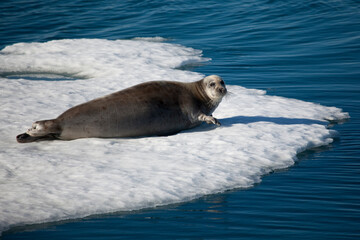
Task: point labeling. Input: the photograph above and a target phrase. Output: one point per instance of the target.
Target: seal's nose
(222, 90)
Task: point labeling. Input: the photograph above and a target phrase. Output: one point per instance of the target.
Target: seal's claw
(216, 122)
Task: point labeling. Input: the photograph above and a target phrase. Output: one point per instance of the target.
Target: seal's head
(214, 87)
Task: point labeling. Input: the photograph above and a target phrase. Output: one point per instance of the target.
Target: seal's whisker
(228, 95)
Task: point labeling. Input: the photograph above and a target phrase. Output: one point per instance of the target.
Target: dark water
(308, 50)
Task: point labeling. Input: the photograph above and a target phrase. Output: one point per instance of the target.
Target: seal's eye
(222, 82)
(212, 84)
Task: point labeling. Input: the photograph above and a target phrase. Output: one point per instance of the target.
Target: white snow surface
(57, 180)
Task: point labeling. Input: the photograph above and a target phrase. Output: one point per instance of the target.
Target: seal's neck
(200, 88)
(201, 93)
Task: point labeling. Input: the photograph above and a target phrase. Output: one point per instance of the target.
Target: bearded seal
(147, 109)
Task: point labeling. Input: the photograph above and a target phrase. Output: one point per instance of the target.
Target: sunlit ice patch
(51, 181)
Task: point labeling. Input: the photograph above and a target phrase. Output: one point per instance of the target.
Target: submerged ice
(50, 181)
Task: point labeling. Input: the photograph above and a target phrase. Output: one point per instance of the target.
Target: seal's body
(151, 108)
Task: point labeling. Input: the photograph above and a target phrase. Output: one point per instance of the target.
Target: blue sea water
(308, 50)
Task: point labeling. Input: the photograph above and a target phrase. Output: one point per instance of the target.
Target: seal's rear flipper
(26, 138)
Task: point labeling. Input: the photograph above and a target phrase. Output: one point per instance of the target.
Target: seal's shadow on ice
(228, 122)
(156, 108)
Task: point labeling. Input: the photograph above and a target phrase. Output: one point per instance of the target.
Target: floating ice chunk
(50, 181)
(92, 58)
(151, 39)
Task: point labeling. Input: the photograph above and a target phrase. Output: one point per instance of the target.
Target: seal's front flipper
(26, 138)
(209, 119)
